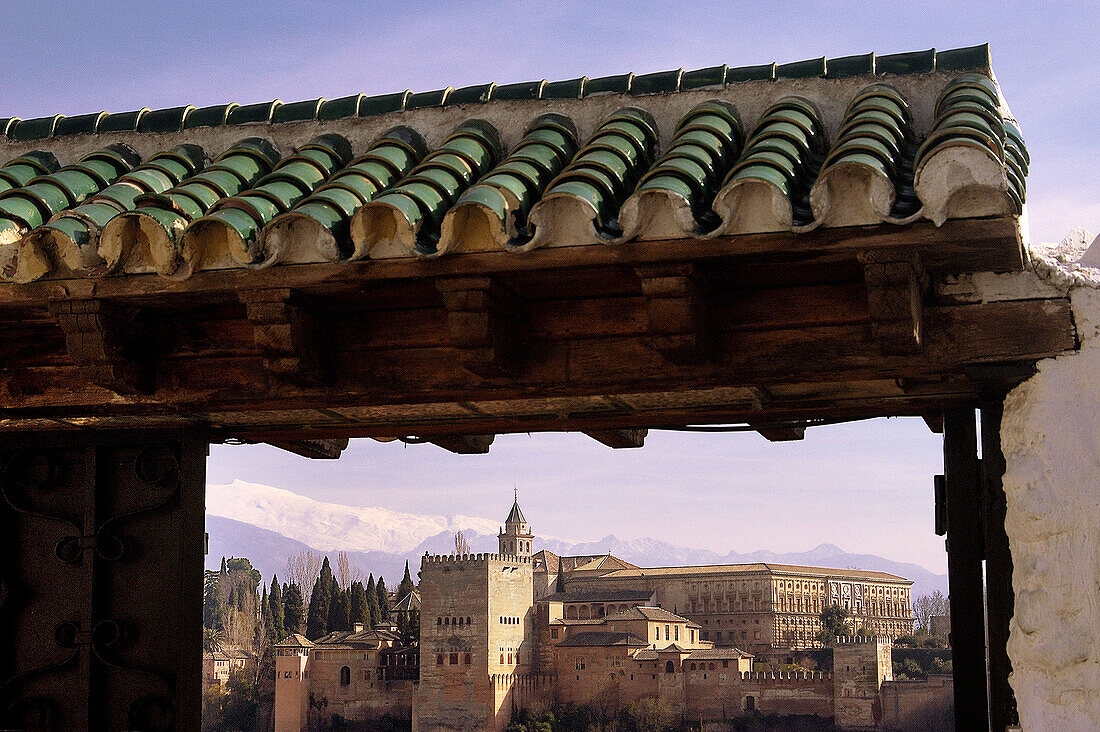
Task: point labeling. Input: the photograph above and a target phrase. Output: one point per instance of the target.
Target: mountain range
(268, 524)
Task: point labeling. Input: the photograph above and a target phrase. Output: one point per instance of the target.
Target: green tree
(372, 601)
(275, 602)
(339, 611)
(834, 622)
(320, 602)
(408, 627)
(407, 584)
(383, 600)
(358, 612)
(293, 609)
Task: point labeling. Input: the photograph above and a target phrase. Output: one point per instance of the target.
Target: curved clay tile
(406, 219)
(317, 228)
(233, 224)
(493, 213)
(970, 165)
(147, 239)
(674, 198)
(43, 197)
(71, 239)
(582, 204)
(870, 160)
(768, 188)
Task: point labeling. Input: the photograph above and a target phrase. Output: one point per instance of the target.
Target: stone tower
(475, 629)
(860, 665)
(516, 537)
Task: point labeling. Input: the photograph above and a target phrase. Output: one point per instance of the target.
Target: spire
(516, 515)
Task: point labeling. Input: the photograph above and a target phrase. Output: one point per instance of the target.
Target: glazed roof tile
(702, 153)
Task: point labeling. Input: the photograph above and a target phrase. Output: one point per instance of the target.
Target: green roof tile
(385, 103)
(471, 94)
(973, 58)
(436, 98)
(915, 62)
(661, 82)
(569, 89)
(123, 121)
(341, 107)
(171, 119)
(214, 116)
(839, 68)
(808, 69)
(522, 90)
(35, 129)
(763, 72)
(618, 84)
(298, 111)
(253, 113)
(712, 76)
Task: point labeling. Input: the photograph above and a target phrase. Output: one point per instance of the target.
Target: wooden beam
(623, 438)
(319, 449)
(482, 319)
(964, 569)
(780, 433)
(1000, 599)
(676, 309)
(934, 420)
(895, 291)
(107, 343)
(464, 444)
(286, 335)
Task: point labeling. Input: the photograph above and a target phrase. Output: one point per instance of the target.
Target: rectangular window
(677, 632)
(579, 664)
(453, 660)
(553, 632)
(439, 659)
(666, 633)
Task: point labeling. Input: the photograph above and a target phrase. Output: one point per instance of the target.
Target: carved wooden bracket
(315, 449)
(287, 336)
(482, 319)
(464, 444)
(103, 340)
(676, 308)
(896, 282)
(619, 438)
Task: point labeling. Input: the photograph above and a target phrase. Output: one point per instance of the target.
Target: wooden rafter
(895, 292)
(106, 343)
(482, 316)
(287, 336)
(676, 310)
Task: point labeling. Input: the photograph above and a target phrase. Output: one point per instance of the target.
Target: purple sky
(864, 487)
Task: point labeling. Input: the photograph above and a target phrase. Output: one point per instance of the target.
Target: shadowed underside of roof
(718, 152)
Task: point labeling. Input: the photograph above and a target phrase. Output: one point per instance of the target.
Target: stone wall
(1050, 435)
(919, 706)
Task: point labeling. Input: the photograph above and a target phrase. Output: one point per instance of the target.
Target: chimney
(357, 628)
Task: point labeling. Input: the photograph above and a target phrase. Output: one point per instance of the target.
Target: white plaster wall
(1051, 440)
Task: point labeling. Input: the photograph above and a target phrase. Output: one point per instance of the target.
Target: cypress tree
(267, 623)
(357, 605)
(383, 600)
(320, 601)
(293, 609)
(372, 600)
(223, 571)
(406, 585)
(338, 618)
(275, 603)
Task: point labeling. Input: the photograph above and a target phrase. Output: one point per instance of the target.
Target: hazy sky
(864, 487)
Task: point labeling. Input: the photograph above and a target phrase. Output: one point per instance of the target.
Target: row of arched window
(452, 621)
(507, 620)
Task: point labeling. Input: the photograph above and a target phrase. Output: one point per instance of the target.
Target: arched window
(466, 659)
(345, 676)
(750, 703)
(669, 667)
(571, 613)
(446, 621)
(439, 621)
(693, 667)
(467, 620)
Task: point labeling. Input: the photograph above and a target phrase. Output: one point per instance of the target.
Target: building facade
(519, 629)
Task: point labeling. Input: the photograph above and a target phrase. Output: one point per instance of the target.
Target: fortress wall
(919, 705)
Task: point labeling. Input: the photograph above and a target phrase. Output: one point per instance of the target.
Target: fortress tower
(516, 537)
(476, 623)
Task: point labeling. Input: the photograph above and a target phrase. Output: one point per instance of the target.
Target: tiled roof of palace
(653, 614)
(717, 654)
(758, 567)
(677, 154)
(597, 594)
(295, 640)
(603, 638)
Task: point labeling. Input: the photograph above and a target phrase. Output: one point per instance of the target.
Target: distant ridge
(289, 524)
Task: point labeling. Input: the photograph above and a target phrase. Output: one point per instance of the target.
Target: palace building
(518, 628)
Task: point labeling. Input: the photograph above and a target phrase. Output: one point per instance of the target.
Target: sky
(864, 487)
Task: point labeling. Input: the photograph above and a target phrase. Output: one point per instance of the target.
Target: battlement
(863, 639)
(451, 559)
(786, 676)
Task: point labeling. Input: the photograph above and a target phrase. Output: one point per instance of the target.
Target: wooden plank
(964, 569)
(895, 292)
(966, 245)
(318, 449)
(619, 439)
(1000, 599)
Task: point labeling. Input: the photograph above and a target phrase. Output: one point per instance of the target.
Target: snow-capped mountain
(330, 527)
(268, 524)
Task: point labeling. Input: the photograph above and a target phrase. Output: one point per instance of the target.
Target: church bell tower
(515, 539)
